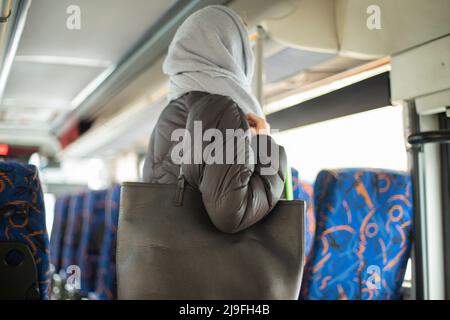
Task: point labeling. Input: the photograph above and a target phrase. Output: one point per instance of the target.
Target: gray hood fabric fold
(211, 53)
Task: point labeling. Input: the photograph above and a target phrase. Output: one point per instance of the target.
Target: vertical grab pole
(259, 65)
(259, 93)
(444, 124)
(433, 211)
(419, 252)
(429, 204)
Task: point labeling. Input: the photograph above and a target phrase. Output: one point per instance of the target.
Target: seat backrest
(72, 235)
(58, 230)
(91, 239)
(22, 217)
(106, 283)
(363, 235)
(304, 191)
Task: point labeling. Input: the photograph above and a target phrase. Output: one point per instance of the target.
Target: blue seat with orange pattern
(363, 236)
(106, 283)
(72, 235)
(304, 191)
(91, 239)
(22, 218)
(58, 230)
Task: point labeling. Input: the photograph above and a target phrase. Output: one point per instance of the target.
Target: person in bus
(210, 65)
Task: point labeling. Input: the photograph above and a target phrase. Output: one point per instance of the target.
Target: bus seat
(363, 236)
(73, 231)
(23, 233)
(58, 231)
(304, 191)
(18, 272)
(106, 284)
(91, 239)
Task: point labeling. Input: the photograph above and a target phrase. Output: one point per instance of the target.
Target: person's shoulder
(217, 110)
(215, 103)
(195, 98)
(209, 107)
(221, 101)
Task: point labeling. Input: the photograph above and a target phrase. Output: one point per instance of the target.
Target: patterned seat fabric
(20, 187)
(106, 288)
(363, 237)
(58, 231)
(304, 191)
(91, 239)
(72, 235)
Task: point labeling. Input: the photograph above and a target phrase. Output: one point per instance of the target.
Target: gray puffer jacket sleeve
(236, 195)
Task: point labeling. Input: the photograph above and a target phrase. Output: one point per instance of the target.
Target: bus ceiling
(123, 78)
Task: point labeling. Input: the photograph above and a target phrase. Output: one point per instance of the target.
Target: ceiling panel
(291, 61)
(54, 64)
(109, 28)
(28, 116)
(50, 84)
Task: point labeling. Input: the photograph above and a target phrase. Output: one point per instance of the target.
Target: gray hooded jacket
(235, 195)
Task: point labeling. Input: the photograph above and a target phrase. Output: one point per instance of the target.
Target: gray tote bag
(169, 249)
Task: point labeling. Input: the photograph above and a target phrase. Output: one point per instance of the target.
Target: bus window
(372, 139)
(49, 200)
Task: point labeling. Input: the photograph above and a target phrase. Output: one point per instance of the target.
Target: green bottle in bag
(288, 187)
